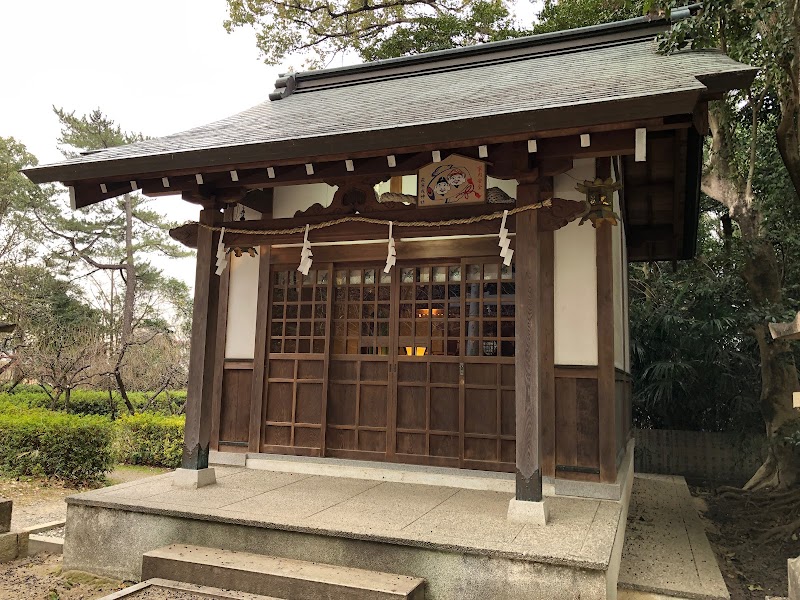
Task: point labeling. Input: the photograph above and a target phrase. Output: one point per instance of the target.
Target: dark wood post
(526, 362)
(260, 353)
(202, 353)
(606, 393)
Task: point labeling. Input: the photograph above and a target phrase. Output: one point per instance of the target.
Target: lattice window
(361, 311)
(299, 312)
(430, 310)
(489, 309)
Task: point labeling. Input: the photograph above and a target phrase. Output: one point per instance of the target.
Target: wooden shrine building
(434, 349)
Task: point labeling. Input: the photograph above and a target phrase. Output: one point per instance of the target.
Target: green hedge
(149, 439)
(41, 443)
(91, 402)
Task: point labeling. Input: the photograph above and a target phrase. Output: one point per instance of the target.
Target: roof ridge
(489, 61)
(501, 51)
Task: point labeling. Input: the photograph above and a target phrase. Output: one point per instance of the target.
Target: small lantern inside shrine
(599, 201)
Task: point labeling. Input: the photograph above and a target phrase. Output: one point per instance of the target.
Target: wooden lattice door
(297, 363)
(413, 366)
(455, 365)
(359, 400)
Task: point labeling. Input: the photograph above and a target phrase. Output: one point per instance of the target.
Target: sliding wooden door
(361, 357)
(455, 365)
(296, 382)
(412, 366)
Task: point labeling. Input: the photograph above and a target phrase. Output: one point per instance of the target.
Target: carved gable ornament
(455, 179)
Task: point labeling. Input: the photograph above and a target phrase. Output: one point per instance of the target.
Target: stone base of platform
(111, 543)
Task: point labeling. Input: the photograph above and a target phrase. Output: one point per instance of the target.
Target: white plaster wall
(240, 339)
(575, 278)
(289, 199)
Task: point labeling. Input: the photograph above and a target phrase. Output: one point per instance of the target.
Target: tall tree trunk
(127, 307)
(123, 392)
(130, 275)
(762, 275)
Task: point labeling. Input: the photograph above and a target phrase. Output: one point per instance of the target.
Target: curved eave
(363, 143)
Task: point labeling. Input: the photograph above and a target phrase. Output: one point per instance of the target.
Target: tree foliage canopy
(323, 29)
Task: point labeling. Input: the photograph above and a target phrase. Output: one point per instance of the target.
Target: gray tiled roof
(533, 85)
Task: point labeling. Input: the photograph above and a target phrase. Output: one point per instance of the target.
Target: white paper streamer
(305, 255)
(222, 258)
(505, 242)
(391, 257)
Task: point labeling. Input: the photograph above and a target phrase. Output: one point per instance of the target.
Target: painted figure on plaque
(456, 180)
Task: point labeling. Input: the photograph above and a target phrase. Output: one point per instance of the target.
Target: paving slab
(666, 549)
(387, 506)
(470, 515)
(304, 497)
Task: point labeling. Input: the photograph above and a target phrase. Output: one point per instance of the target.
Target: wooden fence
(698, 455)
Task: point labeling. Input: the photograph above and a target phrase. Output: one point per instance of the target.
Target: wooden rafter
(555, 149)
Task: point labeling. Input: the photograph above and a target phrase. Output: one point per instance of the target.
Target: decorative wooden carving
(351, 197)
(559, 213)
(494, 195)
(185, 234)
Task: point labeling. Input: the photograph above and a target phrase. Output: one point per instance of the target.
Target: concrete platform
(666, 552)
(458, 540)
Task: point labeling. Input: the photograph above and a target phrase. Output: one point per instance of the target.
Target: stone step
(274, 576)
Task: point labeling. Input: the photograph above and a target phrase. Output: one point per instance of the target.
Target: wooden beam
(186, 234)
(199, 397)
(260, 201)
(527, 364)
(606, 393)
(260, 354)
(427, 250)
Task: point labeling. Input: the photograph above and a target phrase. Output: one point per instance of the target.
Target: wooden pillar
(547, 351)
(526, 362)
(202, 354)
(606, 393)
(219, 360)
(260, 354)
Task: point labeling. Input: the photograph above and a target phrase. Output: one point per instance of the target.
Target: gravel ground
(162, 594)
(56, 532)
(40, 578)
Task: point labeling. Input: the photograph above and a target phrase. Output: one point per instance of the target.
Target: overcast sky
(154, 66)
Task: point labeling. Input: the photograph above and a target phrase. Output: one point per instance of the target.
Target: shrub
(94, 402)
(42, 443)
(150, 439)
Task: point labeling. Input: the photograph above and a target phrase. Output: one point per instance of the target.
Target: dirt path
(37, 501)
(753, 567)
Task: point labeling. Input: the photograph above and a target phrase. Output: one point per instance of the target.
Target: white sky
(154, 66)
